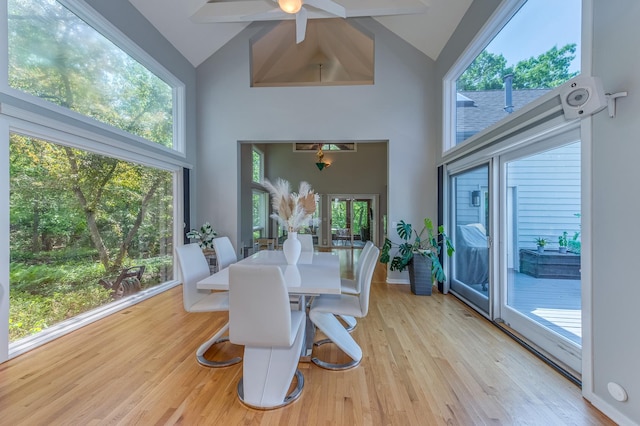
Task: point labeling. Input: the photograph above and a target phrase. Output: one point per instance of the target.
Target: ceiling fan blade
(301, 25)
(385, 7)
(239, 11)
(328, 6)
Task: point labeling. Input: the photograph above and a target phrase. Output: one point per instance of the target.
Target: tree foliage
(58, 57)
(549, 69)
(76, 215)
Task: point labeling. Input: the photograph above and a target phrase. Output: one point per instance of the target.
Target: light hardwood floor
(427, 361)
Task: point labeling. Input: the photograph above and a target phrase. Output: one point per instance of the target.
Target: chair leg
(350, 322)
(337, 334)
(267, 373)
(216, 338)
(292, 396)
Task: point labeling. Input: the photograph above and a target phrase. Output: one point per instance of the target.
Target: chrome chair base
(331, 366)
(214, 364)
(350, 323)
(293, 395)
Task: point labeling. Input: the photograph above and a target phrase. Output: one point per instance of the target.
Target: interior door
(341, 217)
(352, 219)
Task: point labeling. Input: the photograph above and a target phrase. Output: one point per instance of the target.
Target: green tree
(97, 79)
(549, 69)
(58, 57)
(484, 73)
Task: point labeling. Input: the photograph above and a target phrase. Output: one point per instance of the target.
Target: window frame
(118, 38)
(36, 130)
(500, 17)
(29, 115)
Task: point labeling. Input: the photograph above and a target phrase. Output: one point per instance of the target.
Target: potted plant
(563, 242)
(541, 242)
(420, 252)
(205, 236)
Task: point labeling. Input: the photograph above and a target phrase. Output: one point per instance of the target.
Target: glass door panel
(543, 287)
(362, 217)
(341, 235)
(469, 277)
(351, 220)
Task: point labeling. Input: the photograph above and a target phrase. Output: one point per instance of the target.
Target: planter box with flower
(421, 255)
(293, 211)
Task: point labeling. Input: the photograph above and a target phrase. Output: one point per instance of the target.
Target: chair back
(259, 312)
(363, 256)
(365, 278)
(193, 268)
(306, 242)
(225, 253)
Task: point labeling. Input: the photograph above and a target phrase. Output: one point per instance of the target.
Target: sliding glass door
(541, 285)
(528, 198)
(469, 231)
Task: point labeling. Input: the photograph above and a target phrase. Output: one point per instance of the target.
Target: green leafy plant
(562, 240)
(541, 242)
(427, 243)
(204, 236)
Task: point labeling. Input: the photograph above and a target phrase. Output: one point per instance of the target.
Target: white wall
(616, 204)
(399, 107)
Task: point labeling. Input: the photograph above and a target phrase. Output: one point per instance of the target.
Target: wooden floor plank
(427, 361)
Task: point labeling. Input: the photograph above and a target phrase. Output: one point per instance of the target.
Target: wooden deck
(553, 303)
(427, 361)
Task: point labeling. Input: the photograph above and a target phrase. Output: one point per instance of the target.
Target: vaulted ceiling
(428, 30)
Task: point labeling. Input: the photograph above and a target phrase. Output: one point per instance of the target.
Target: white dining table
(315, 273)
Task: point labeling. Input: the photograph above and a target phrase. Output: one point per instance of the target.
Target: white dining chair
(272, 335)
(225, 253)
(325, 308)
(194, 267)
(352, 286)
(306, 242)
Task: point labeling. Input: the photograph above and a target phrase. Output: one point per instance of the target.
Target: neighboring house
(477, 110)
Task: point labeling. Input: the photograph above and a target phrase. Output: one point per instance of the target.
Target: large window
(89, 181)
(537, 50)
(58, 57)
(77, 221)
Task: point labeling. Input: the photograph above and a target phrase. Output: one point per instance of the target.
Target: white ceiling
(428, 31)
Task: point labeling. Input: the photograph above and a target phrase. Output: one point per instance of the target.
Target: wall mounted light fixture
(321, 164)
(475, 198)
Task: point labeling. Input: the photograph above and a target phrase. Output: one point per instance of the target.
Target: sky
(538, 26)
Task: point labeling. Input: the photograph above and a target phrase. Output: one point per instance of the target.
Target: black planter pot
(420, 276)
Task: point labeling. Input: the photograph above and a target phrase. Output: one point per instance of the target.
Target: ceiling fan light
(290, 6)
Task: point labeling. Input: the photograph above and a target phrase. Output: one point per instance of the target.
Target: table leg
(310, 334)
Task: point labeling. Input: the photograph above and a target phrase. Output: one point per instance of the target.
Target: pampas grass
(292, 210)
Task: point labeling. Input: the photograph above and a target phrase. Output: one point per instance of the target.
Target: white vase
(292, 248)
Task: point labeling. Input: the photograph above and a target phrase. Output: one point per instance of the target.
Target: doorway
(352, 219)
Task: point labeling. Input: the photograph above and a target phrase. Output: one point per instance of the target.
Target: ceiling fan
(214, 11)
